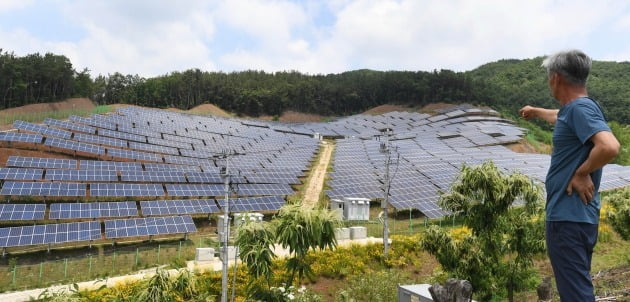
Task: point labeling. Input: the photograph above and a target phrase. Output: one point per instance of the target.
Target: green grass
(104, 261)
(38, 117)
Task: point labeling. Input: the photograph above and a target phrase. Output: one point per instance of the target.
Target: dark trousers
(570, 248)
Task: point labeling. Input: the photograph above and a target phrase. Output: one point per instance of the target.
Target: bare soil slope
(69, 104)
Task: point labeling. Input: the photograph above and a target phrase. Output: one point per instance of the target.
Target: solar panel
(81, 175)
(119, 153)
(153, 148)
(153, 176)
(204, 177)
(254, 204)
(122, 135)
(74, 146)
(21, 125)
(50, 233)
(119, 190)
(14, 188)
(264, 189)
(92, 210)
(22, 211)
(178, 207)
(100, 140)
(21, 173)
(70, 126)
(40, 162)
(160, 167)
(109, 165)
(21, 137)
(149, 226)
(195, 190)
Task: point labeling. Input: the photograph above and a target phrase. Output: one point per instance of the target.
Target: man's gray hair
(573, 65)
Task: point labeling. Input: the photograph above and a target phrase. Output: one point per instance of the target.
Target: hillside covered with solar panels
(144, 172)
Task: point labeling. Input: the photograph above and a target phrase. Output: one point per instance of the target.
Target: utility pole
(384, 148)
(226, 231)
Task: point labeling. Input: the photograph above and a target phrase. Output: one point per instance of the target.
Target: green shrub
(619, 214)
(380, 286)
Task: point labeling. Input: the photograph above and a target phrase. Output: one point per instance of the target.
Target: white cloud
(9, 5)
(459, 34)
(155, 37)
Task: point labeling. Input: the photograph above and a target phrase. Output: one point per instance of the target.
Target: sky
(154, 37)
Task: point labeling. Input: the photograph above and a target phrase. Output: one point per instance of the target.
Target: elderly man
(582, 144)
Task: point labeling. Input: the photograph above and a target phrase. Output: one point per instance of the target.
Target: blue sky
(154, 37)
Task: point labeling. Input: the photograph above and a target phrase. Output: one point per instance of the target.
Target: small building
(239, 218)
(352, 208)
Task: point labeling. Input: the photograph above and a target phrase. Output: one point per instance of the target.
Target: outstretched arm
(530, 112)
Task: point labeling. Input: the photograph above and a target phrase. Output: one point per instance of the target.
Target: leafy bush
(619, 213)
(380, 286)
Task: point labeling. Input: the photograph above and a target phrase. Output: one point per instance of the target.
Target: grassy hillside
(514, 83)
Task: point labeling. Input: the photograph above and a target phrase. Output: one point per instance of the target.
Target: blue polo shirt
(577, 122)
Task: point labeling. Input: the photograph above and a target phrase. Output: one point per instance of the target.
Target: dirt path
(316, 183)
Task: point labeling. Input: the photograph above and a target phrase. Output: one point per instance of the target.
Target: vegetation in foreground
(353, 273)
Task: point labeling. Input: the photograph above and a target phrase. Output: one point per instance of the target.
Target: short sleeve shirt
(577, 122)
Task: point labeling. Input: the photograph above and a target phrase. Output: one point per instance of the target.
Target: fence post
(179, 250)
(41, 271)
(90, 267)
(14, 272)
(410, 223)
(65, 268)
(114, 264)
(137, 255)
(158, 255)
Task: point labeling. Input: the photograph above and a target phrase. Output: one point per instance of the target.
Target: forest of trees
(504, 85)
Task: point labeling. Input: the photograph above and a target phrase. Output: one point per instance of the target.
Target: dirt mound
(294, 117)
(385, 109)
(69, 104)
(209, 109)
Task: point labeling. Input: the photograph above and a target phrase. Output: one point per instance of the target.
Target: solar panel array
(149, 226)
(427, 153)
(144, 154)
(50, 233)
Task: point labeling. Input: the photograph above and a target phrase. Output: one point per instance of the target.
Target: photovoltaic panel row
(109, 165)
(92, 122)
(122, 135)
(263, 189)
(153, 148)
(21, 173)
(81, 175)
(22, 211)
(149, 226)
(254, 204)
(73, 146)
(50, 233)
(41, 129)
(40, 162)
(43, 189)
(204, 177)
(93, 210)
(129, 154)
(195, 190)
(153, 176)
(100, 140)
(178, 207)
(21, 137)
(119, 190)
(70, 126)
(170, 167)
